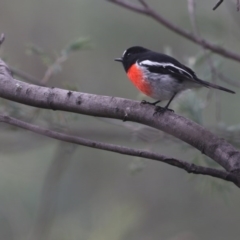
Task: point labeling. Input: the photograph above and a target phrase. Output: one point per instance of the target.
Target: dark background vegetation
(72, 192)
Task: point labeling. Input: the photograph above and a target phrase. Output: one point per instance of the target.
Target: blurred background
(54, 190)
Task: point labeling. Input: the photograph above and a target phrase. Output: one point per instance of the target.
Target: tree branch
(159, 18)
(111, 107)
(190, 168)
(192, 16)
(2, 38)
(218, 4)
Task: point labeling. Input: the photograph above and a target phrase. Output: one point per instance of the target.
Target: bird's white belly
(165, 86)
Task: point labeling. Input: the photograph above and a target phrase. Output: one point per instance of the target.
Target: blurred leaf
(137, 165)
(56, 68)
(208, 162)
(33, 49)
(230, 133)
(196, 160)
(192, 106)
(116, 222)
(70, 86)
(79, 44)
(168, 50)
(210, 185)
(215, 187)
(201, 58)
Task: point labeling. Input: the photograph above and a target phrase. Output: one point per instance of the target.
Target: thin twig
(145, 5)
(221, 1)
(50, 71)
(224, 78)
(182, 32)
(218, 4)
(214, 75)
(2, 38)
(190, 168)
(195, 38)
(25, 76)
(214, 79)
(192, 16)
(49, 194)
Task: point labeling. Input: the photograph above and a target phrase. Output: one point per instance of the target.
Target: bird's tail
(212, 85)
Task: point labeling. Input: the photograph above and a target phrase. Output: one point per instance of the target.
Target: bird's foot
(149, 103)
(161, 110)
(143, 102)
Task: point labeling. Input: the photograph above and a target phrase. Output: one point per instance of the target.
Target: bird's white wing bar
(151, 64)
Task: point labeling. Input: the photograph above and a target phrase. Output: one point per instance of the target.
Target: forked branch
(111, 107)
(190, 168)
(147, 10)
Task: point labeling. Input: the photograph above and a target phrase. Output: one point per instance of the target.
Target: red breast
(136, 76)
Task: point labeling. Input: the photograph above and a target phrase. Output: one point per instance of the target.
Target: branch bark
(146, 10)
(188, 167)
(111, 107)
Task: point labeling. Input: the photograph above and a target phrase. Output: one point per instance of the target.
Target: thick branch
(190, 168)
(111, 107)
(146, 10)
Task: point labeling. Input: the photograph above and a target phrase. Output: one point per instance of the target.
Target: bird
(160, 76)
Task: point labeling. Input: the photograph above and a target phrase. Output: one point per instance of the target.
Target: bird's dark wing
(164, 64)
(169, 69)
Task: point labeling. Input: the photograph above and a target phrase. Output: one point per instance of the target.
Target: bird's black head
(130, 56)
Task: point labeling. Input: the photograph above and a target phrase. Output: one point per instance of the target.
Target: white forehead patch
(124, 53)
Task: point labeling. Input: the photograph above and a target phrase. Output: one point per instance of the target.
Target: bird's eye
(127, 54)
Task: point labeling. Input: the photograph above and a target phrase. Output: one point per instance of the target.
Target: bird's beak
(118, 59)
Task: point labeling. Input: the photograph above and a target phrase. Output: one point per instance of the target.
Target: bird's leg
(160, 110)
(149, 103)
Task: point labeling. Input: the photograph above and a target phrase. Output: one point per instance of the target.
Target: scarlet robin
(160, 76)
